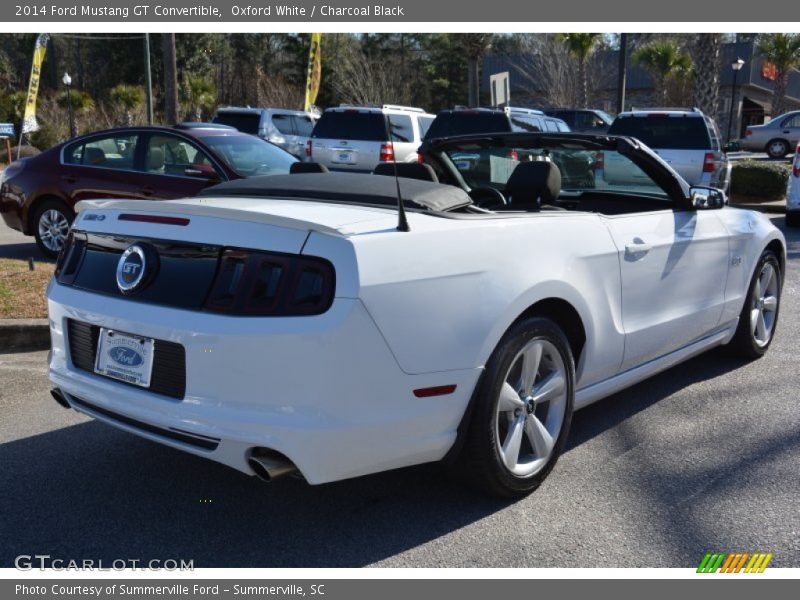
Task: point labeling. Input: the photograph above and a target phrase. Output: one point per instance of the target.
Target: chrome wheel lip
(531, 409)
(764, 304)
(53, 228)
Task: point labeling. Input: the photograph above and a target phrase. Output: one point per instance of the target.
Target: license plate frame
(125, 357)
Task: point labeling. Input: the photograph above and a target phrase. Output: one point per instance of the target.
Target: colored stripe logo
(736, 562)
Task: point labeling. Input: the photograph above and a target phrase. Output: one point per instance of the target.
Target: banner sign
(314, 70)
(29, 123)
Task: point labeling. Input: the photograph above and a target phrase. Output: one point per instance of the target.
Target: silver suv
(354, 138)
(289, 129)
(687, 140)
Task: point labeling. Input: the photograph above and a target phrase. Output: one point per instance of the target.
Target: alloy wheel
(53, 229)
(764, 305)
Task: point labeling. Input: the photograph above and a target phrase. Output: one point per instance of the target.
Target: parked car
(355, 138)
(687, 140)
(793, 192)
(37, 195)
(469, 121)
(289, 129)
(293, 324)
(776, 138)
(583, 120)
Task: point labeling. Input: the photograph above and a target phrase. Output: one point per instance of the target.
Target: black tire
(745, 342)
(481, 458)
(793, 218)
(51, 239)
(777, 148)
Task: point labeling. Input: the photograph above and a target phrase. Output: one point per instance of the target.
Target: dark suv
(468, 121)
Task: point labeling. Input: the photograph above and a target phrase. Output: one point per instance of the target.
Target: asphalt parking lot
(704, 457)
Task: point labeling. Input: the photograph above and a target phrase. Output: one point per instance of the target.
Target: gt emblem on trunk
(136, 268)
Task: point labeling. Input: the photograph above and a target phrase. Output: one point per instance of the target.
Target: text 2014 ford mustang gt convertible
(288, 324)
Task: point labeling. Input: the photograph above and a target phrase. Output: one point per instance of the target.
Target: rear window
(304, 125)
(402, 129)
(424, 125)
(467, 122)
(283, 123)
(366, 126)
(244, 122)
(663, 131)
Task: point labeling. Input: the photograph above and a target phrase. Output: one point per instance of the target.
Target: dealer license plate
(125, 357)
(344, 157)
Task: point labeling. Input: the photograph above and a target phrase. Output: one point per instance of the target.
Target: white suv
(355, 138)
(686, 139)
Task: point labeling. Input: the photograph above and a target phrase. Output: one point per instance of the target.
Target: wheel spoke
(509, 399)
(513, 442)
(761, 328)
(765, 279)
(550, 386)
(771, 303)
(539, 437)
(530, 366)
(755, 314)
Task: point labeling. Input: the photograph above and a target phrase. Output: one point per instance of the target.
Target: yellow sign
(314, 70)
(29, 119)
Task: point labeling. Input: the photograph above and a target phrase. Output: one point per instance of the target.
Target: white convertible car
(304, 323)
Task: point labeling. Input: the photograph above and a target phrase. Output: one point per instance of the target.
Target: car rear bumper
(324, 391)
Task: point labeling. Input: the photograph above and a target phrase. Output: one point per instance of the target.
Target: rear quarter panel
(444, 294)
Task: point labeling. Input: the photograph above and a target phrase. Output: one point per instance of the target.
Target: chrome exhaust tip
(58, 396)
(268, 464)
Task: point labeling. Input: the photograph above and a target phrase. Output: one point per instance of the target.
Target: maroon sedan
(38, 195)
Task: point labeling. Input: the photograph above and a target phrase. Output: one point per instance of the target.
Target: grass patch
(22, 290)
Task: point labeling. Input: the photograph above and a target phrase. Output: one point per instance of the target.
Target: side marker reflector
(439, 390)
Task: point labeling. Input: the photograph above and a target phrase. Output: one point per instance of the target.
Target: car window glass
(793, 121)
(525, 123)
(351, 125)
(245, 122)
(664, 131)
(303, 125)
(250, 155)
(170, 155)
(112, 152)
(550, 125)
(283, 123)
(465, 122)
(424, 125)
(402, 129)
(563, 127)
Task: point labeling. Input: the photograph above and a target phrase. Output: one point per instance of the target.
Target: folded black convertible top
(345, 187)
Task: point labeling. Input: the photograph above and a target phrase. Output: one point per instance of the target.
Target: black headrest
(413, 170)
(533, 183)
(307, 167)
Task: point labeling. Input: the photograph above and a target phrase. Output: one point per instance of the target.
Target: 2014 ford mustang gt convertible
(335, 325)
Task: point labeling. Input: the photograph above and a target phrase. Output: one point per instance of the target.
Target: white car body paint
(334, 392)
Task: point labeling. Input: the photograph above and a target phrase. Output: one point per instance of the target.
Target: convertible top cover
(345, 187)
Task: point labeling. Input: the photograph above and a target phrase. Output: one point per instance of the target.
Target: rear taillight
(513, 155)
(387, 152)
(748, 133)
(420, 158)
(599, 161)
(308, 148)
(271, 284)
(709, 162)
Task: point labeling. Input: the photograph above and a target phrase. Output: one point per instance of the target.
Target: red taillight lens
(308, 148)
(271, 284)
(748, 133)
(708, 162)
(599, 161)
(513, 155)
(420, 158)
(387, 152)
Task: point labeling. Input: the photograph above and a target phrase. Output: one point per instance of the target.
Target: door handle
(148, 191)
(637, 247)
(69, 178)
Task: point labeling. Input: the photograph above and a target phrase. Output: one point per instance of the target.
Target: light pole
(736, 66)
(67, 81)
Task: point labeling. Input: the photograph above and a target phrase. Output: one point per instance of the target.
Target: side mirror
(704, 198)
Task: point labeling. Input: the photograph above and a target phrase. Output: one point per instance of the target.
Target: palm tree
(706, 52)
(128, 98)
(664, 61)
(200, 94)
(581, 46)
(474, 45)
(782, 50)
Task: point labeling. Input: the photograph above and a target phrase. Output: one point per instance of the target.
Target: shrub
(25, 152)
(759, 178)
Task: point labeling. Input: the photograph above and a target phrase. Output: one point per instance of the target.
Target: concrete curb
(24, 334)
